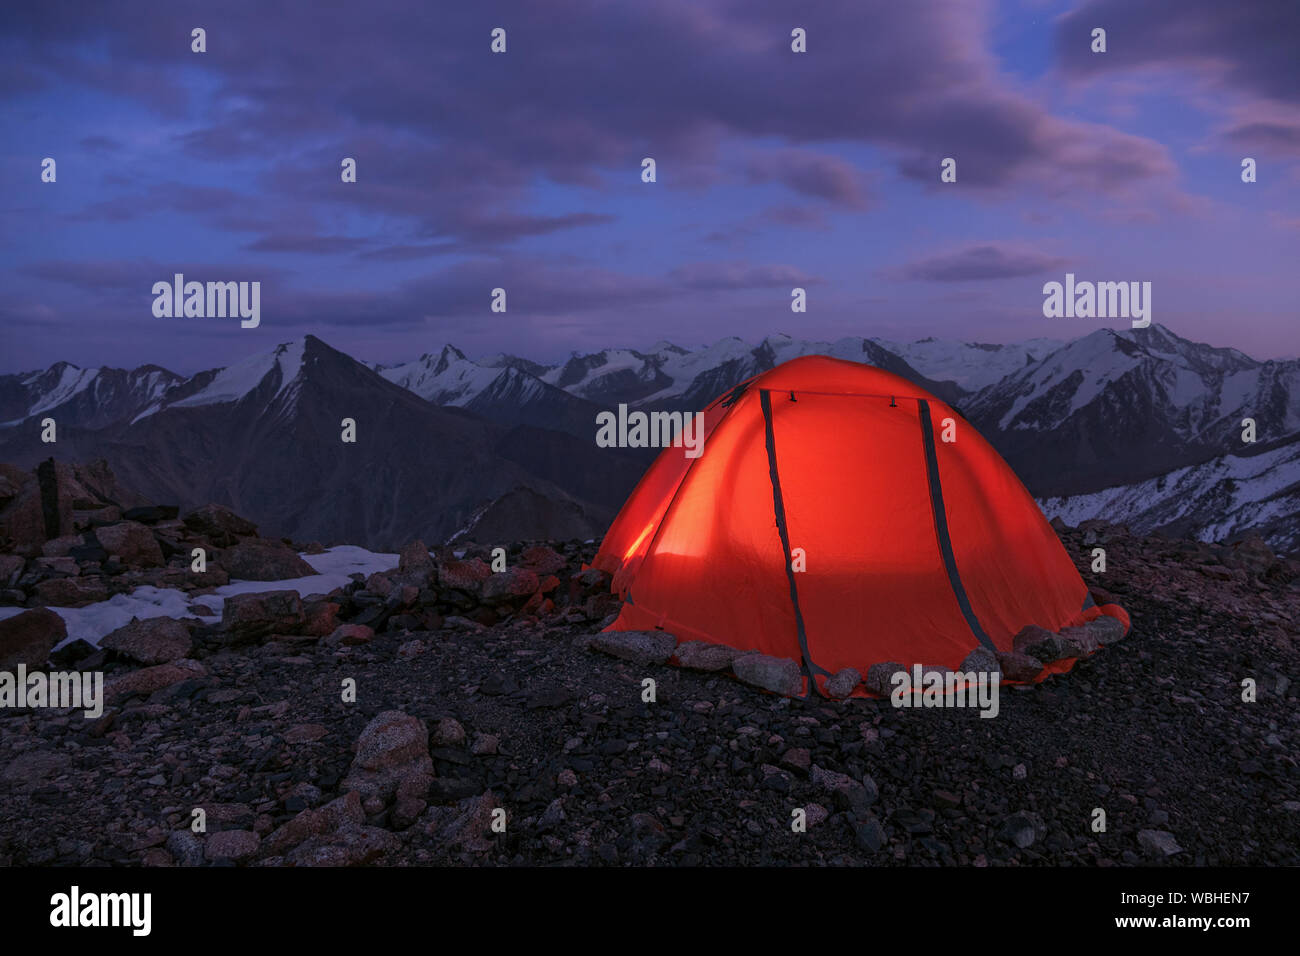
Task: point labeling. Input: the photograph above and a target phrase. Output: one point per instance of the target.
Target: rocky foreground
(478, 692)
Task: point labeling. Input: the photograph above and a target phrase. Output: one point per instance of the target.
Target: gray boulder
(980, 661)
(29, 637)
(880, 677)
(1037, 642)
(252, 617)
(843, 683)
(155, 640)
(780, 675)
(639, 647)
(261, 559)
(703, 656)
(1019, 667)
(1107, 630)
(392, 752)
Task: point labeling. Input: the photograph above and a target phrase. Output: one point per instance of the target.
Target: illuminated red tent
(915, 549)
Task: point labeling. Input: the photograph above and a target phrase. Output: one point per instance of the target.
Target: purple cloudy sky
(522, 170)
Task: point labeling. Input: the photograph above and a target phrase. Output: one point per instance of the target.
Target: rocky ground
(478, 692)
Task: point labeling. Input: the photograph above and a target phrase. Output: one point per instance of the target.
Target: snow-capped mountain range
(1135, 425)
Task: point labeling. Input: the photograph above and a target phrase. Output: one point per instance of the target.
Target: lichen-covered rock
(252, 617)
(262, 559)
(147, 680)
(467, 575)
(154, 640)
(219, 525)
(72, 592)
(513, 585)
(1019, 667)
(843, 683)
(780, 675)
(980, 661)
(393, 747)
(704, 656)
(880, 677)
(132, 542)
(1107, 630)
(1038, 643)
(541, 560)
(29, 637)
(640, 647)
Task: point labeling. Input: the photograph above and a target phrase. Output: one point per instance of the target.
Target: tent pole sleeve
(941, 527)
(778, 503)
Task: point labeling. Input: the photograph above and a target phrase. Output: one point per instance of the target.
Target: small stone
(305, 733)
(1158, 843)
(1107, 630)
(447, 732)
(798, 759)
(946, 800)
(233, 845)
(1023, 829)
(1019, 667)
(843, 683)
(880, 677)
(186, 848)
(980, 661)
(350, 635)
(869, 834)
(1037, 642)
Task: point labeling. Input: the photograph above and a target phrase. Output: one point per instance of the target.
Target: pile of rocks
(67, 541)
(424, 592)
(1033, 649)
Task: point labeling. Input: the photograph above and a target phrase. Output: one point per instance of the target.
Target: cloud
(740, 275)
(811, 174)
(990, 260)
(120, 290)
(1250, 46)
(1272, 129)
(100, 144)
(316, 245)
(117, 281)
(160, 197)
(583, 95)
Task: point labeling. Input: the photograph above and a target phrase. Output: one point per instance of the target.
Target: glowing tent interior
(841, 517)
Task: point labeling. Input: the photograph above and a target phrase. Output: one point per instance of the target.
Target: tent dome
(841, 517)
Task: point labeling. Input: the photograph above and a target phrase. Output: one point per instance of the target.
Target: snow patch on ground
(94, 621)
